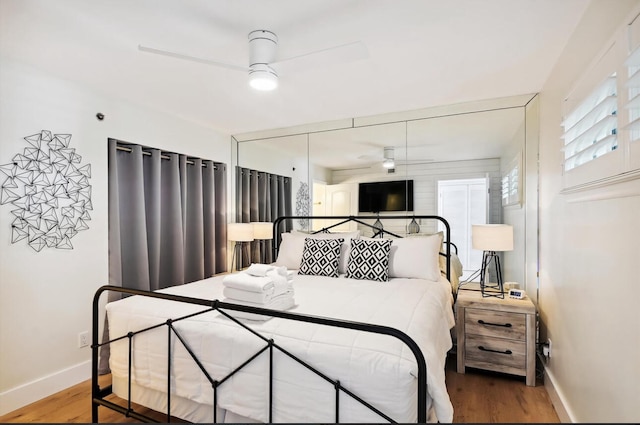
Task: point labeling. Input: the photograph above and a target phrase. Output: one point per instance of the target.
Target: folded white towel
(257, 269)
(281, 302)
(248, 296)
(246, 282)
(253, 297)
(282, 270)
(281, 283)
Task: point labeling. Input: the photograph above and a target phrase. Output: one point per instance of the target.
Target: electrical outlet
(546, 350)
(83, 339)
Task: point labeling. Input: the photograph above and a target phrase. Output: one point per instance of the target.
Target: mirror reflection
(456, 158)
(348, 157)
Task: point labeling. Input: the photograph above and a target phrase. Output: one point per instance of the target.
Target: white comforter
(380, 369)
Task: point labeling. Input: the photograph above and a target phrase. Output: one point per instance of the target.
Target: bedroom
(588, 240)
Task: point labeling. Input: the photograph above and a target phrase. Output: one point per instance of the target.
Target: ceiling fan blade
(192, 58)
(343, 53)
(370, 158)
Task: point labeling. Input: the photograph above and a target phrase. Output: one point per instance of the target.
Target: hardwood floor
(488, 397)
(477, 396)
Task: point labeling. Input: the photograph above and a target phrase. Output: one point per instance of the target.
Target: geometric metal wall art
(50, 191)
(302, 205)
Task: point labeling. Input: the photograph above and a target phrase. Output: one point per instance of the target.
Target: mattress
(379, 368)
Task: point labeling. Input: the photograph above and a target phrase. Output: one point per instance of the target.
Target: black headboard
(277, 230)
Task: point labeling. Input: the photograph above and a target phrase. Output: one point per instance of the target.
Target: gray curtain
(167, 219)
(263, 197)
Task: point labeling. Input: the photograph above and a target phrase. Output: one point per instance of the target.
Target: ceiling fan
(263, 46)
(388, 158)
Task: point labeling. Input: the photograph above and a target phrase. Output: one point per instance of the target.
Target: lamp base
(238, 255)
(491, 289)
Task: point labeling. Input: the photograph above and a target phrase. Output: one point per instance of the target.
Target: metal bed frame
(100, 393)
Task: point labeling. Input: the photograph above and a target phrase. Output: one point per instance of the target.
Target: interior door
(463, 203)
(342, 199)
(319, 206)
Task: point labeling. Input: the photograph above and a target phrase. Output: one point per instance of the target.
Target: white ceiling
(420, 53)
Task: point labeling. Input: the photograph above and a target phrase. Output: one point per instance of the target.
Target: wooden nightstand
(496, 334)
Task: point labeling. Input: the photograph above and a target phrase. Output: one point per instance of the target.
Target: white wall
(589, 256)
(45, 297)
(268, 156)
(262, 156)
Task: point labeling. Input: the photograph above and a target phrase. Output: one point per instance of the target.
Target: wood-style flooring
(477, 396)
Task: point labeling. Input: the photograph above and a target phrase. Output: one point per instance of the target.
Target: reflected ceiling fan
(263, 46)
(388, 158)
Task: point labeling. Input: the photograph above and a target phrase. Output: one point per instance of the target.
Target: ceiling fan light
(263, 77)
(388, 163)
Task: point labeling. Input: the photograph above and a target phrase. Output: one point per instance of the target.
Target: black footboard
(99, 394)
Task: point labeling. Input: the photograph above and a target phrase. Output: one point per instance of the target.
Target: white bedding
(380, 369)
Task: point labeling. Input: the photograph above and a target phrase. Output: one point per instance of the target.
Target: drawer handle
(481, 348)
(506, 325)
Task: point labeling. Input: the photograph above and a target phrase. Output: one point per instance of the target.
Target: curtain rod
(125, 149)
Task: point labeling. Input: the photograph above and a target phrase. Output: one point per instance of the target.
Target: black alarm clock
(516, 293)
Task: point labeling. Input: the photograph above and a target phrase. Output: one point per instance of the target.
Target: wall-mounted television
(385, 196)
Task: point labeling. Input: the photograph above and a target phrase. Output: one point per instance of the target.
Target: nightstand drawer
(497, 324)
(497, 354)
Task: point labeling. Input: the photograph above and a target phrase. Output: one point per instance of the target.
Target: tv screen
(385, 196)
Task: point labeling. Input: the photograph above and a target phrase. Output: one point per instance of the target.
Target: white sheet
(379, 368)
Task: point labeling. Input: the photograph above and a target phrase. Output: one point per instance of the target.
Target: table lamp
(262, 231)
(491, 238)
(241, 234)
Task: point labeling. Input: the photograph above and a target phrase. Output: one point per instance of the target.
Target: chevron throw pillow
(369, 259)
(320, 257)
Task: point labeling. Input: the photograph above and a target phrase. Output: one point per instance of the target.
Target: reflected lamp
(241, 234)
(262, 231)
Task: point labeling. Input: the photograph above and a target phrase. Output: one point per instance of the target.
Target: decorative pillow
(290, 251)
(292, 245)
(346, 246)
(369, 259)
(320, 257)
(416, 257)
(442, 258)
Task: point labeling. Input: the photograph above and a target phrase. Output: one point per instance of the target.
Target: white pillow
(292, 247)
(416, 257)
(290, 251)
(442, 258)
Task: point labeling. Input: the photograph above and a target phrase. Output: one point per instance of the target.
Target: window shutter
(633, 87)
(511, 183)
(590, 129)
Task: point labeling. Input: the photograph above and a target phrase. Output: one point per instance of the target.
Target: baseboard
(30, 392)
(557, 398)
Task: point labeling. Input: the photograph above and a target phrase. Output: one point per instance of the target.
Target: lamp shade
(262, 229)
(240, 232)
(492, 237)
